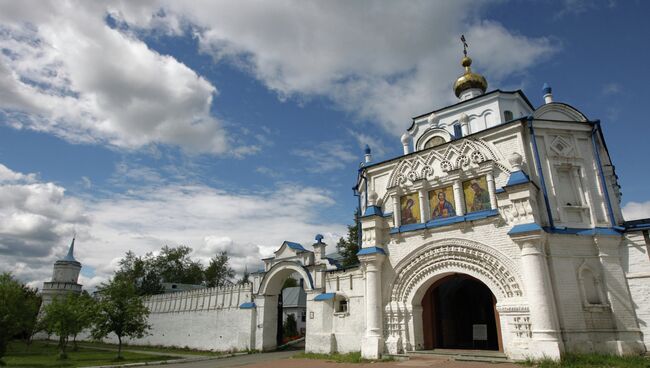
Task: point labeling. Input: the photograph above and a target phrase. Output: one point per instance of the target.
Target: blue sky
(232, 127)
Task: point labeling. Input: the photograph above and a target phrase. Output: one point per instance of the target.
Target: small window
(458, 131)
(435, 141)
(507, 115)
(342, 306)
(304, 316)
(591, 286)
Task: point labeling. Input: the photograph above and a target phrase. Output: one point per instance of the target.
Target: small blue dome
(546, 89)
(367, 149)
(319, 238)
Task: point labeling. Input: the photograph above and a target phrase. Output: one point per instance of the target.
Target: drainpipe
(603, 183)
(540, 172)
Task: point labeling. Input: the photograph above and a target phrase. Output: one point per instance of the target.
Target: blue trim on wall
(603, 183)
(585, 232)
(524, 228)
(473, 216)
(371, 250)
(540, 172)
(373, 211)
(249, 305)
(324, 296)
(517, 177)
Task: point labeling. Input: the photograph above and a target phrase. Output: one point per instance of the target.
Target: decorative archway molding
(275, 276)
(430, 263)
(416, 272)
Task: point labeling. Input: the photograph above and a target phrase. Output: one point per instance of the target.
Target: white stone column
(458, 198)
(424, 205)
(464, 124)
(373, 340)
(396, 210)
(544, 325)
(492, 190)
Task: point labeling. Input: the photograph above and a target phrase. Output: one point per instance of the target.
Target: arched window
(591, 287)
(341, 305)
(434, 141)
(507, 115)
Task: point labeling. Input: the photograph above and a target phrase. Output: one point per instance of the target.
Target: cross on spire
(462, 38)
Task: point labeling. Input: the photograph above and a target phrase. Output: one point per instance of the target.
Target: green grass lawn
(592, 361)
(157, 349)
(43, 354)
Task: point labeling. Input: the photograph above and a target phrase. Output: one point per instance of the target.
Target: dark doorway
(459, 313)
(279, 334)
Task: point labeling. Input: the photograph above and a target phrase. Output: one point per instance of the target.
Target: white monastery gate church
(499, 228)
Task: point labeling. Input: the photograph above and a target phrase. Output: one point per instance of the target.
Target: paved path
(282, 359)
(236, 361)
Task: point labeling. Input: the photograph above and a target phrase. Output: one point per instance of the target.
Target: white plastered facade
(553, 248)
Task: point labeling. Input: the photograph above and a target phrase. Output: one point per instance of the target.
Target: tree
(349, 247)
(12, 301)
(245, 279)
(140, 271)
(289, 282)
(29, 314)
(85, 309)
(120, 310)
(218, 272)
(175, 265)
(60, 318)
(290, 326)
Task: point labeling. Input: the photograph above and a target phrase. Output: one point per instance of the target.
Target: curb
(171, 361)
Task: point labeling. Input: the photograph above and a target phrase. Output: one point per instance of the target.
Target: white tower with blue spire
(65, 277)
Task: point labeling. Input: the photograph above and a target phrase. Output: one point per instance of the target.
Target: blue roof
(324, 296)
(524, 228)
(637, 225)
(591, 231)
(517, 177)
(70, 256)
(371, 250)
(372, 211)
(295, 246)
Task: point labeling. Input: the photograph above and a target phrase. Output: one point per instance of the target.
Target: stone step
(486, 356)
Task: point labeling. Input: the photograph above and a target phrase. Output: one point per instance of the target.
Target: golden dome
(469, 80)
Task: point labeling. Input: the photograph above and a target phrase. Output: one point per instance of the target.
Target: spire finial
(70, 255)
(462, 39)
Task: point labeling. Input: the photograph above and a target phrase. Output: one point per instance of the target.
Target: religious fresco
(442, 203)
(410, 209)
(477, 197)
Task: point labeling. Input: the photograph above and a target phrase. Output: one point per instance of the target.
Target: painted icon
(442, 203)
(410, 209)
(477, 197)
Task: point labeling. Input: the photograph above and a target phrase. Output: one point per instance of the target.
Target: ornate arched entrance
(267, 301)
(459, 312)
(432, 266)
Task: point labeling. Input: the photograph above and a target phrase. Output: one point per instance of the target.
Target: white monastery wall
(635, 255)
(206, 319)
(347, 327)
